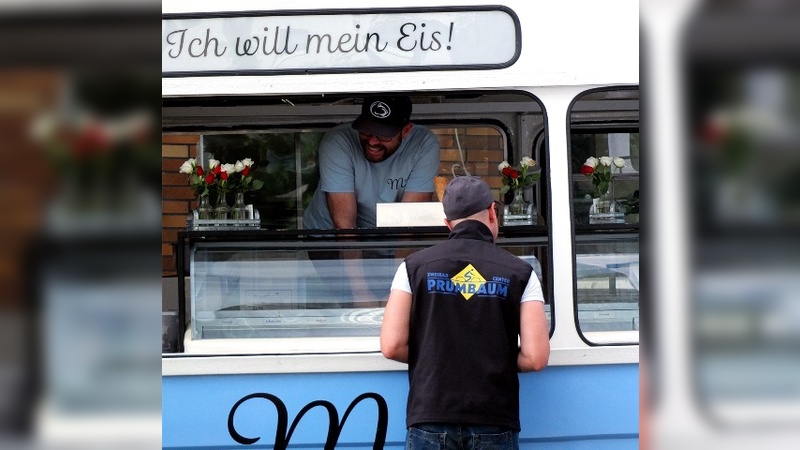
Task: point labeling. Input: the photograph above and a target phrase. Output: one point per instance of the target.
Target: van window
(604, 137)
(286, 161)
(296, 284)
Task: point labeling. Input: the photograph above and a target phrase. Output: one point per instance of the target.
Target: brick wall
(176, 195)
(482, 150)
(26, 177)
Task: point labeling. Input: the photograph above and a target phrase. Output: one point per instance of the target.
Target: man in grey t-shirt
(380, 158)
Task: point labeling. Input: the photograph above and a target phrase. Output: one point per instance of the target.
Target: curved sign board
(336, 41)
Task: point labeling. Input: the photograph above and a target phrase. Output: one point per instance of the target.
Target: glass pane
(284, 161)
(274, 293)
(289, 293)
(478, 150)
(625, 184)
(607, 271)
(536, 255)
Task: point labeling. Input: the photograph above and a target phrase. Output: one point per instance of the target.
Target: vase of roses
(605, 208)
(241, 180)
(202, 185)
(516, 179)
(216, 182)
(223, 173)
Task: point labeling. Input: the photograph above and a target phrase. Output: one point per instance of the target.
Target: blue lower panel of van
(566, 407)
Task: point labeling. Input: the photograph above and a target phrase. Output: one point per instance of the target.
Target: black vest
(464, 329)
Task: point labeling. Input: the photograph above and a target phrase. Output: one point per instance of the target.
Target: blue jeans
(445, 436)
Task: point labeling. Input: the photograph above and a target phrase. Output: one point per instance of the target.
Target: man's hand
(417, 196)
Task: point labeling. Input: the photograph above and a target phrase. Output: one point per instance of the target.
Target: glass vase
(518, 212)
(605, 209)
(204, 209)
(239, 210)
(517, 207)
(222, 211)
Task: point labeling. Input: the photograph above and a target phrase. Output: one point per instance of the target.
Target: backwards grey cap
(464, 196)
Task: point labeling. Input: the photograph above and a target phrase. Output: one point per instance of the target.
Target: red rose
(587, 170)
(223, 175)
(712, 132)
(200, 171)
(245, 171)
(511, 173)
(210, 178)
(216, 170)
(91, 140)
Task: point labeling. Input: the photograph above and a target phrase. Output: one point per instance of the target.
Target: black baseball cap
(465, 196)
(383, 116)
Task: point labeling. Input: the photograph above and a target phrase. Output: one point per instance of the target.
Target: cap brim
(378, 129)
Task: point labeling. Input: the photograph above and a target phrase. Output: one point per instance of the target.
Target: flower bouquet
(202, 184)
(515, 179)
(240, 180)
(519, 177)
(600, 171)
(604, 208)
(98, 161)
(218, 179)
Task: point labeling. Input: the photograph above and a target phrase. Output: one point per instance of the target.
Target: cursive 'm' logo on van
(282, 438)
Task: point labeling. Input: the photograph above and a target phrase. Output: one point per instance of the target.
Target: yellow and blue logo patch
(467, 282)
(470, 279)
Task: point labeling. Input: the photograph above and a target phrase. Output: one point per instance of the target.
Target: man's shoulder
(506, 257)
(343, 130)
(421, 141)
(428, 254)
(478, 250)
(421, 132)
(341, 138)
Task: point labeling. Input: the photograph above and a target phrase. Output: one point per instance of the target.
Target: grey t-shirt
(343, 168)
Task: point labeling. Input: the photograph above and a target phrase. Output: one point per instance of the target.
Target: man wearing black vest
(466, 316)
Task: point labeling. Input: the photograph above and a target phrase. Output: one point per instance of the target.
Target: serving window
(283, 281)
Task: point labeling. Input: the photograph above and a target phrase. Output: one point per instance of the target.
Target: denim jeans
(441, 436)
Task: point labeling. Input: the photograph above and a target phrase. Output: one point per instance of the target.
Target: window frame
(621, 124)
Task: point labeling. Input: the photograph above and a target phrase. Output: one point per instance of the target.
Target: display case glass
(241, 292)
(297, 289)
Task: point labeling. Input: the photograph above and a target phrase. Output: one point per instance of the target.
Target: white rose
(45, 127)
(527, 161)
(229, 168)
(247, 162)
(591, 162)
(502, 166)
(605, 160)
(213, 163)
(619, 162)
(188, 166)
(239, 166)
